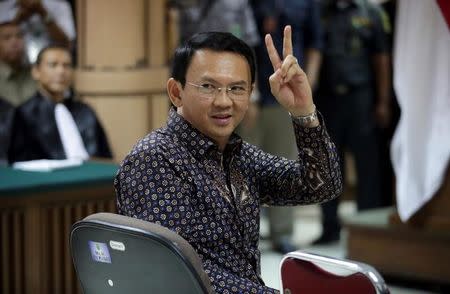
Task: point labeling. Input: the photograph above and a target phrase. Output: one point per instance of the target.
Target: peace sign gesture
(289, 83)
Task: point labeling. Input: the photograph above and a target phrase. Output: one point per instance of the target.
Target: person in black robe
(35, 130)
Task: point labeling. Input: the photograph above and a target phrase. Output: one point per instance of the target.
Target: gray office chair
(118, 254)
(303, 272)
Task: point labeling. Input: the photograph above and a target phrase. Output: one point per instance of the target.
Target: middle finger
(287, 41)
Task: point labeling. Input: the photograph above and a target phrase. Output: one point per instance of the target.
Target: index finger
(273, 54)
(287, 42)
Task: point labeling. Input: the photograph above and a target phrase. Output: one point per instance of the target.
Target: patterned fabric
(177, 177)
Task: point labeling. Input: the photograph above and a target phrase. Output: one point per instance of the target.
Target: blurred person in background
(16, 83)
(354, 95)
(43, 22)
(232, 16)
(51, 125)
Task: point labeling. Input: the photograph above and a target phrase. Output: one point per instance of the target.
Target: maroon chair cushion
(304, 277)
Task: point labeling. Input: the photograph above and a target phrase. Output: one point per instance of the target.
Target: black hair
(214, 41)
(50, 47)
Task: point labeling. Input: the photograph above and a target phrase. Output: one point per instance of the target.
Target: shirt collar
(194, 140)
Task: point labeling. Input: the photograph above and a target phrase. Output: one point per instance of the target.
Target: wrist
(308, 120)
(304, 111)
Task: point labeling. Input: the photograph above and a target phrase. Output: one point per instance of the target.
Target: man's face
(218, 115)
(54, 72)
(11, 44)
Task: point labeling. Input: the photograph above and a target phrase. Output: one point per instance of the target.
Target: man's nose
(60, 68)
(222, 98)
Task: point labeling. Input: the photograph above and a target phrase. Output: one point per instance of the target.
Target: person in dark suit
(52, 124)
(354, 96)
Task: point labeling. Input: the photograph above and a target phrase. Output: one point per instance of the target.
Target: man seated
(198, 178)
(50, 125)
(6, 118)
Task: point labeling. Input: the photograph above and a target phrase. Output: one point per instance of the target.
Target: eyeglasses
(234, 92)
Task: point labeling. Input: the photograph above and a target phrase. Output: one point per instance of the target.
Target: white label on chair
(116, 245)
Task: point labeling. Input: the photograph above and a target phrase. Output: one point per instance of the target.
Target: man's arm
(315, 177)
(381, 65)
(313, 43)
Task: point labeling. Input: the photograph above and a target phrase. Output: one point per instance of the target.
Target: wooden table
(37, 210)
(417, 250)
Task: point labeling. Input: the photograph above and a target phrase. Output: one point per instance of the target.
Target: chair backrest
(309, 273)
(117, 254)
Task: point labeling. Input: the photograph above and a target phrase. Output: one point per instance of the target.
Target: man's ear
(174, 91)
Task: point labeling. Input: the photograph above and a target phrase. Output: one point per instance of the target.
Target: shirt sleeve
(314, 178)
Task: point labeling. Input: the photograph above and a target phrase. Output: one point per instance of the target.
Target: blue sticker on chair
(99, 252)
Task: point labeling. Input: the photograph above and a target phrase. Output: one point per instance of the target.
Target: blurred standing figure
(354, 95)
(43, 22)
(16, 83)
(273, 129)
(232, 16)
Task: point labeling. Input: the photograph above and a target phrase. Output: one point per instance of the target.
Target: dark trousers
(350, 122)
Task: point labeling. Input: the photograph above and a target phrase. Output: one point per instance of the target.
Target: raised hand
(289, 83)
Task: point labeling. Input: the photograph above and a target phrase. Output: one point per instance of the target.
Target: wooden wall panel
(156, 42)
(35, 254)
(12, 253)
(142, 81)
(122, 66)
(159, 105)
(126, 119)
(116, 33)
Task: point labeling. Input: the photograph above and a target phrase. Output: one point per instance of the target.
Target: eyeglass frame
(217, 90)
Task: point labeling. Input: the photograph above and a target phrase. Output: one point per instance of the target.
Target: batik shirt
(178, 178)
